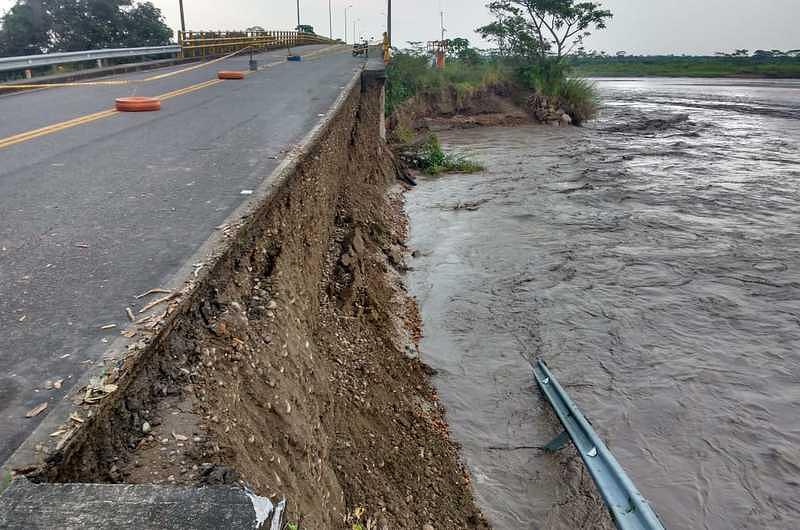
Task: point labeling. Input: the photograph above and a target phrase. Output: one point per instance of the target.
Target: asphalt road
(93, 214)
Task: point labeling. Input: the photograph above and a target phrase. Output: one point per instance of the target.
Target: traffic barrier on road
(28, 62)
(230, 74)
(137, 104)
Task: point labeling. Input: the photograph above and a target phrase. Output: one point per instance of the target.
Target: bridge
(99, 206)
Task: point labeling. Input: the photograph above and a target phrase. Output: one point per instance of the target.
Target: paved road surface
(142, 191)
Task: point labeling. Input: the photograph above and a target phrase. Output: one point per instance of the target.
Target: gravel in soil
(299, 374)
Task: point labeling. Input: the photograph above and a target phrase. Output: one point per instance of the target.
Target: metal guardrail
(629, 509)
(215, 43)
(191, 44)
(27, 62)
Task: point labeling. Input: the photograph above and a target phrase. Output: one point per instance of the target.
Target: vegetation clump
(427, 156)
(534, 38)
(411, 73)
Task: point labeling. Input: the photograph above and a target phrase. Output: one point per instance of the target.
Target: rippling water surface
(653, 258)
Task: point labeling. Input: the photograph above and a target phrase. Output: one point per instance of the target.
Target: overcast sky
(639, 26)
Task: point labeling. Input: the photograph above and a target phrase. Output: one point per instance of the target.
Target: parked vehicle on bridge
(360, 48)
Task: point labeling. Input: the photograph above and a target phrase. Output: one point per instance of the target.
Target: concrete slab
(29, 506)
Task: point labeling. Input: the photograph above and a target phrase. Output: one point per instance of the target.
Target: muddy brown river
(653, 259)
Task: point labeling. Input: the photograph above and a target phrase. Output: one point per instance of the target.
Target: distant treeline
(758, 65)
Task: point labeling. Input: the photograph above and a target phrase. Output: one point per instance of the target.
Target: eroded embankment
(454, 107)
(289, 364)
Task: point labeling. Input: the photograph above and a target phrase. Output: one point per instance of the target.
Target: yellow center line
(189, 89)
(50, 129)
(65, 85)
(81, 120)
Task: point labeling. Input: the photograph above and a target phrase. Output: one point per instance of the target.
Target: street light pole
(346, 25)
(298, 15)
(183, 20)
(389, 22)
(330, 18)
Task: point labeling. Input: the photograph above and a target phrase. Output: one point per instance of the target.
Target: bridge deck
(93, 214)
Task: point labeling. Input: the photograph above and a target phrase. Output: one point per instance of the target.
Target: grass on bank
(428, 157)
(777, 67)
(411, 73)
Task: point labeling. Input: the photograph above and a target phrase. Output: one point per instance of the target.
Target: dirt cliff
(292, 365)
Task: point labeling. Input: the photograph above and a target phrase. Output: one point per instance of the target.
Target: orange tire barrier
(230, 74)
(138, 104)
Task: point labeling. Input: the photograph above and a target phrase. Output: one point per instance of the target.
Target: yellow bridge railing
(217, 43)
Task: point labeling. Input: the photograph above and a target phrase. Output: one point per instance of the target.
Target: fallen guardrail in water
(629, 509)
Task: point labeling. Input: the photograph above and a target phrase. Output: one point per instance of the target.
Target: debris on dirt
(153, 291)
(130, 314)
(107, 327)
(155, 303)
(97, 390)
(69, 434)
(218, 475)
(35, 411)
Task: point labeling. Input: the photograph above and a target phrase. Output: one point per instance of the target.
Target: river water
(653, 259)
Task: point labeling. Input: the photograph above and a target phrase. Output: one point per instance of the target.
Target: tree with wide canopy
(44, 26)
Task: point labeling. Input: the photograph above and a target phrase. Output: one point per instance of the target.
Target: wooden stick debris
(153, 291)
(160, 301)
(36, 410)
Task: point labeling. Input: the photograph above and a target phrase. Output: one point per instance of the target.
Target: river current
(653, 259)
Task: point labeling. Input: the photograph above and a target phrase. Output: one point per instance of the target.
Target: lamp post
(330, 18)
(183, 20)
(389, 22)
(298, 15)
(346, 25)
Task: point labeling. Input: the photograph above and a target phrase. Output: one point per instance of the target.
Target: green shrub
(578, 97)
(410, 73)
(433, 160)
(549, 78)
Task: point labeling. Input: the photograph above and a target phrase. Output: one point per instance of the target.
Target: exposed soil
(294, 368)
(450, 108)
